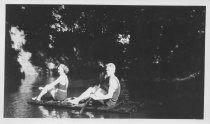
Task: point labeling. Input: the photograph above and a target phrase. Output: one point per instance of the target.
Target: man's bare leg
(83, 96)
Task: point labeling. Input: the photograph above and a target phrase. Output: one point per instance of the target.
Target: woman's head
(63, 68)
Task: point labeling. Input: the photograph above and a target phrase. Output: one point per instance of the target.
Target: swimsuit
(61, 91)
(105, 86)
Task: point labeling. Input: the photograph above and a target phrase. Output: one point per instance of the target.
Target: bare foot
(35, 98)
(41, 88)
(38, 99)
(74, 101)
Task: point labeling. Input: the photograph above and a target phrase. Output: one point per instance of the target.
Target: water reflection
(89, 114)
(53, 113)
(20, 99)
(50, 112)
(26, 84)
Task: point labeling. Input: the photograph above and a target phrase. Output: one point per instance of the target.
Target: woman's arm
(54, 83)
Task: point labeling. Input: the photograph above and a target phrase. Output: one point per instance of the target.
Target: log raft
(120, 107)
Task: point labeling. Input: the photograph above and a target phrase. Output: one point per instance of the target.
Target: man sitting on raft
(106, 92)
(58, 88)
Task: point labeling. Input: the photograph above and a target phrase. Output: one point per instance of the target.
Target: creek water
(18, 92)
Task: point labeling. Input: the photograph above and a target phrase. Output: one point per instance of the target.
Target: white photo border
(108, 2)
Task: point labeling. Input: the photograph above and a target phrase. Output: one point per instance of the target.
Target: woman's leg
(44, 90)
(53, 92)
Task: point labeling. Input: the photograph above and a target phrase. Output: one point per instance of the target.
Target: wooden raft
(120, 107)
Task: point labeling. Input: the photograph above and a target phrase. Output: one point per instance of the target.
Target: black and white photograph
(104, 61)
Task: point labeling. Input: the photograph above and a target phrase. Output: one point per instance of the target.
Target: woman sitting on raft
(58, 88)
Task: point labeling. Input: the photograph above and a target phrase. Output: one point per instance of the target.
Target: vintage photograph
(104, 61)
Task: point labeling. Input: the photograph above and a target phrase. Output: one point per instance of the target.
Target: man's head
(110, 68)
